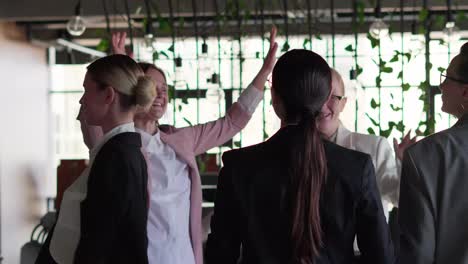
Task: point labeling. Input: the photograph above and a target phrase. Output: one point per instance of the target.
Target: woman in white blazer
(378, 148)
(434, 184)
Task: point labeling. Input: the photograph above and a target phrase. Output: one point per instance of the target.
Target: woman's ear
(277, 104)
(275, 100)
(110, 95)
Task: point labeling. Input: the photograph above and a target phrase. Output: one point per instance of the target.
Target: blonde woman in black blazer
(103, 214)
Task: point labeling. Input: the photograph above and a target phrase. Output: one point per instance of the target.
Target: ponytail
(302, 84)
(309, 171)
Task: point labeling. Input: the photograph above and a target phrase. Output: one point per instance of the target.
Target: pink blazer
(189, 142)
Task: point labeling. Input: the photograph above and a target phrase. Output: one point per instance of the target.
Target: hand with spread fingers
(403, 145)
(118, 42)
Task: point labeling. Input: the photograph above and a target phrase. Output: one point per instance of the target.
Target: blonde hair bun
(145, 91)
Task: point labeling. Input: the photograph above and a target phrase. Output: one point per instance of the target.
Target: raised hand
(403, 145)
(270, 58)
(118, 42)
(268, 63)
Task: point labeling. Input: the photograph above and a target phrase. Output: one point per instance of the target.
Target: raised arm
(215, 133)
(268, 64)
(118, 44)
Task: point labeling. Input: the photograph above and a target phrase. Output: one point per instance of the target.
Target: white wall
(24, 138)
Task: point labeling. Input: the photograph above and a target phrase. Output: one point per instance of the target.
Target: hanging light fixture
(378, 29)
(204, 49)
(149, 42)
(130, 27)
(204, 63)
(214, 93)
(451, 31)
(149, 39)
(179, 78)
(76, 26)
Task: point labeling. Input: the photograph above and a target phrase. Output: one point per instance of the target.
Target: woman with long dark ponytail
(296, 198)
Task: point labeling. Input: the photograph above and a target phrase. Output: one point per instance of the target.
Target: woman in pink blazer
(174, 219)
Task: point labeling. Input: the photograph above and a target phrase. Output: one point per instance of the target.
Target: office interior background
(389, 52)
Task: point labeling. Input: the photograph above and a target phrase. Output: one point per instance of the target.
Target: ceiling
(53, 10)
(45, 20)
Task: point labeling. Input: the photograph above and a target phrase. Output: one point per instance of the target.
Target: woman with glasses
(377, 147)
(298, 198)
(434, 184)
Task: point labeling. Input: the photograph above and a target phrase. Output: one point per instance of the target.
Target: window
(223, 58)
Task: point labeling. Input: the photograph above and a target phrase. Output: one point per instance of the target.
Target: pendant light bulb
(379, 29)
(451, 32)
(149, 42)
(76, 26)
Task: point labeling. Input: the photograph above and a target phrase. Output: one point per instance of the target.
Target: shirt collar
(146, 137)
(127, 127)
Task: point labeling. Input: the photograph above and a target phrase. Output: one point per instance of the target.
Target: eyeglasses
(444, 77)
(338, 97)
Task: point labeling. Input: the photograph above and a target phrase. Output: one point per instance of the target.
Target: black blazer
(251, 219)
(114, 213)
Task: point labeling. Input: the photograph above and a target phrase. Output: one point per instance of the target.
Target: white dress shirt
(168, 218)
(67, 229)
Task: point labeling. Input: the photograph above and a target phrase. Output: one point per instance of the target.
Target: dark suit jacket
(434, 198)
(114, 213)
(252, 220)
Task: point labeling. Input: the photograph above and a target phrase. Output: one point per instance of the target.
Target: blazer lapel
(178, 146)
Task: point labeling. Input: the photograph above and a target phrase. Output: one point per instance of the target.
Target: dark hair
(462, 68)
(145, 66)
(302, 81)
(126, 77)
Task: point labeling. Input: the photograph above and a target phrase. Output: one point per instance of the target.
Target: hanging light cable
(130, 27)
(214, 93)
(378, 29)
(106, 15)
(76, 26)
(149, 37)
(451, 31)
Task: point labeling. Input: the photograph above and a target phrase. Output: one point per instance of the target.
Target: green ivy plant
(384, 67)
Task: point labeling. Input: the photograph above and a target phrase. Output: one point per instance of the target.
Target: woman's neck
(115, 121)
(147, 125)
(462, 112)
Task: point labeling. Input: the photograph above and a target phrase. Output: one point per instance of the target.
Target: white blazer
(386, 170)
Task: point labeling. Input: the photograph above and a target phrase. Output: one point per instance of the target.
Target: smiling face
(159, 106)
(330, 117)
